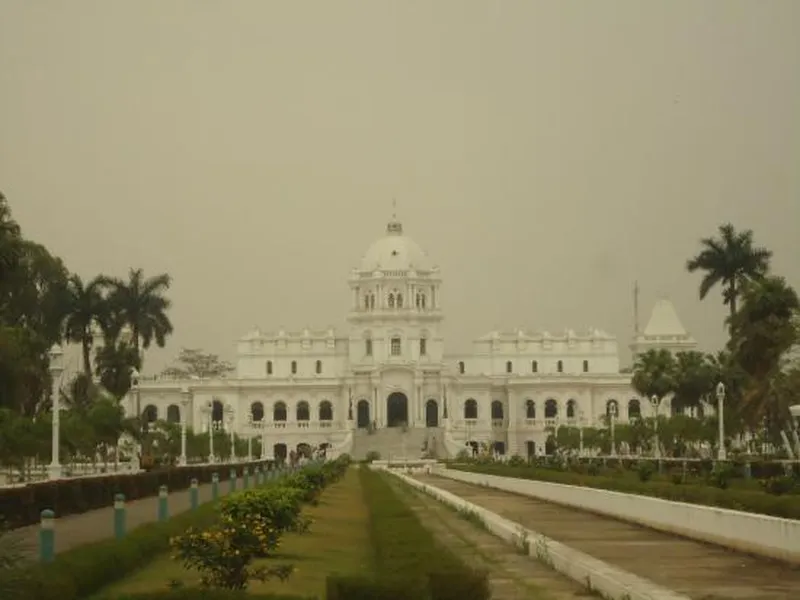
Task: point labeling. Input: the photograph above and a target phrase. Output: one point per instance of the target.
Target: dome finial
(394, 227)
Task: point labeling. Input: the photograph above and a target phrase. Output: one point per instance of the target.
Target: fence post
(119, 516)
(193, 494)
(47, 536)
(163, 507)
(232, 481)
(214, 486)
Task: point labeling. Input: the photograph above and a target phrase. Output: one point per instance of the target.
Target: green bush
(645, 469)
(209, 594)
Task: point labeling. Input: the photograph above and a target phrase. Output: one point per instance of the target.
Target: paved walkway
(692, 568)
(97, 525)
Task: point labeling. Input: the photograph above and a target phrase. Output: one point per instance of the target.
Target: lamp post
(137, 397)
(721, 453)
(209, 410)
(229, 420)
(580, 432)
(185, 397)
(56, 369)
(655, 402)
(612, 416)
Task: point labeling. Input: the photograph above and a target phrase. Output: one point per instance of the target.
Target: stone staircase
(394, 443)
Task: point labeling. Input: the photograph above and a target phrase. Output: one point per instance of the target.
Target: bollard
(232, 481)
(194, 494)
(119, 516)
(214, 486)
(47, 536)
(246, 477)
(163, 507)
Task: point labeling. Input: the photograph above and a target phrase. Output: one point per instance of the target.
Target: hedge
(410, 564)
(209, 594)
(786, 506)
(23, 505)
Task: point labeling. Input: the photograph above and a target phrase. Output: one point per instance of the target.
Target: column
(513, 415)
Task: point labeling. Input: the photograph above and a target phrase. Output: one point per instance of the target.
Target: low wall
(752, 533)
(610, 581)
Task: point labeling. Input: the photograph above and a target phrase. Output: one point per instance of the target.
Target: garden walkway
(692, 568)
(97, 525)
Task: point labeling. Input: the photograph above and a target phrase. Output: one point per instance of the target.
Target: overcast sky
(545, 154)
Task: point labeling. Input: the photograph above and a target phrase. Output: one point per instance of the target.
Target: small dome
(395, 252)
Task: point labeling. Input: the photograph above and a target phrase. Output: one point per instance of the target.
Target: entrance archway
(396, 410)
(362, 414)
(431, 413)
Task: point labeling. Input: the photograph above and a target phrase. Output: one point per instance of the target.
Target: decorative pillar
(513, 401)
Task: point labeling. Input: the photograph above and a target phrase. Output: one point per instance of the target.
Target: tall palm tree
(654, 373)
(140, 304)
(730, 260)
(86, 307)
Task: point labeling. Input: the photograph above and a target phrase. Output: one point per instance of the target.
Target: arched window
(612, 407)
(302, 412)
(319, 367)
(372, 301)
(294, 367)
(325, 411)
(368, 347)
(396, 346)
(470, 409)
(461, 367)
(217, 411)
(279, 412)
(509, 366)
(634, 409)
(550, 409)
(399, 300)
(257, 410)
(173, 413)
(560, 366)
(150, 414)
(497, 409)
(391, 300)
(269, 367)
(534, 366)
(530, 409)
(586, 366)
(572, 409)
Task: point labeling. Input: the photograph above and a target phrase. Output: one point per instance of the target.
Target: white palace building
(386, 384)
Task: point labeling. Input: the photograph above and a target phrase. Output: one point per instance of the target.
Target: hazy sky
(545, 154)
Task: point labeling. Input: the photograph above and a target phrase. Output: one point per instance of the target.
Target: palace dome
(395, 252)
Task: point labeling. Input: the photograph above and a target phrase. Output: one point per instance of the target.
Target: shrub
(204, 594)
(778, 485)
(645, 470)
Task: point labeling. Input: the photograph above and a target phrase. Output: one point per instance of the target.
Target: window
(372, 301)
(423, 347)
(461, 367)
(470, 409)
(509, 367)
(302, 411)
(399, 300)
(269, 367)
(497, 410)
(368, 347)
(319, 367)
(534, 366)
(586, 366)
(560, 366)
(530, 409)
(391, 300)
(396, 346)
(366, 302)
(294, 367)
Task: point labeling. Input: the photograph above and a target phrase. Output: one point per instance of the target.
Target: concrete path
(692, 568)
(512, 576)
(97, 525)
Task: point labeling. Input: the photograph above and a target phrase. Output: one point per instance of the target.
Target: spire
(394, 227)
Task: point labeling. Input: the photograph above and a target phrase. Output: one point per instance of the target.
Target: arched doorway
(431, 413)
(279, 452)
(362, 416)
(396, 410)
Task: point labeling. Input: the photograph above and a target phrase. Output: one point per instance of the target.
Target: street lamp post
(655, 401)
(229, 420)
(721, 453)
(209, 410)
(580, 432)
(185, 397)
(612, 416)
(56, 369)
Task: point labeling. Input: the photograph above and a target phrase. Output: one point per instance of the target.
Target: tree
(114, 362)
(694, 379)
(86, 307)
(730, 260)
(193, 362)
(654, 373)
(9, 239)
(140, 304)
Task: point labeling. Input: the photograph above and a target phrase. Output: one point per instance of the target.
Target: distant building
(386, 383)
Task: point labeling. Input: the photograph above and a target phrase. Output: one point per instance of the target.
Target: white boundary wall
(611, 582)
(763, 535)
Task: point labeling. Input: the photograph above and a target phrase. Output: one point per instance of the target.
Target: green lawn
(338, 542)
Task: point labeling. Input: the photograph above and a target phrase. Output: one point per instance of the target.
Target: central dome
(395, 252)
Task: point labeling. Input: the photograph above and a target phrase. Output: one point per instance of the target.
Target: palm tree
(654, 373)
(731, 260)
(140, 304)
(86, 307)
(694, 379)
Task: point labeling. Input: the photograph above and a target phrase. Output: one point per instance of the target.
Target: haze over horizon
(545, 154)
